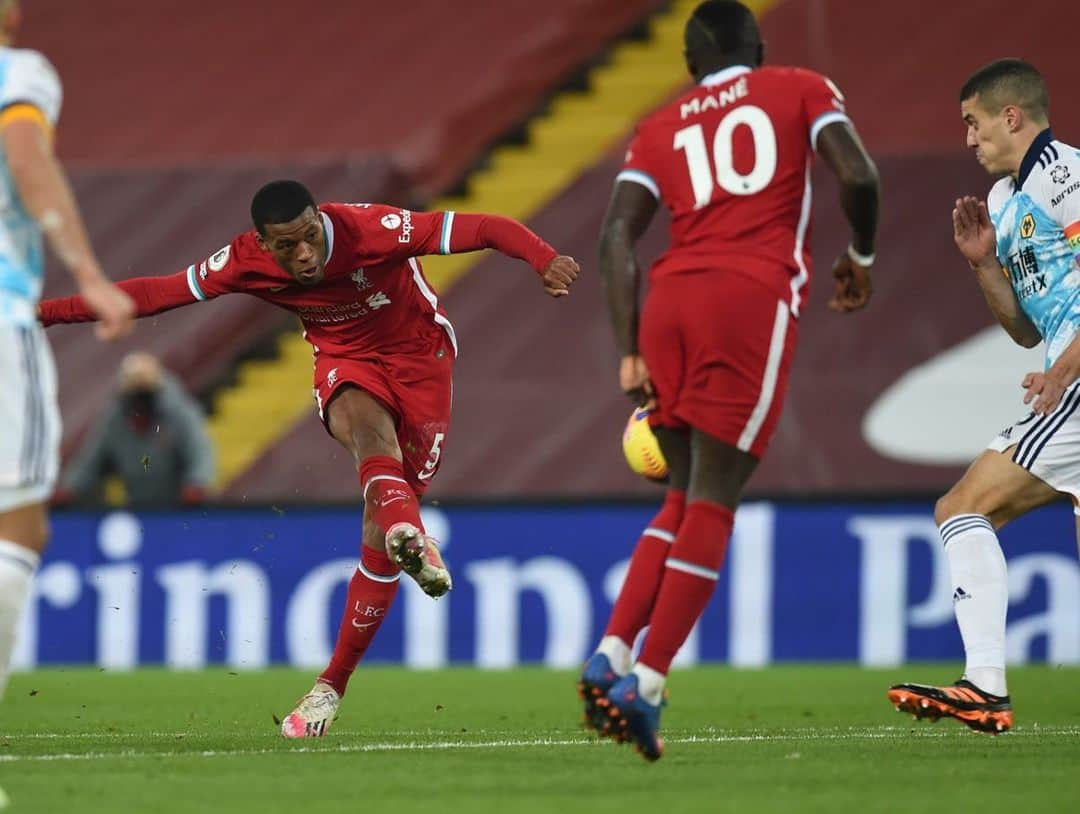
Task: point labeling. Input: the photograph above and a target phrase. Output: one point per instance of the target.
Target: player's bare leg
(997, 488)
(393, 540)
(718, 474)
(993, 491)
(612, 659)
(364, 427)
(23, 534)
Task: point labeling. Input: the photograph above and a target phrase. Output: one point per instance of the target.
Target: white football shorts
(1048, 446)
(29, 417)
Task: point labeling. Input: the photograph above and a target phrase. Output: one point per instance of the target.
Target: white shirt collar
(724, 75)
(328, 227)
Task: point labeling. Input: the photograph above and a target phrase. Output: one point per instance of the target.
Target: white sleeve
(1060, 190)
(999, 194)
(31, 79)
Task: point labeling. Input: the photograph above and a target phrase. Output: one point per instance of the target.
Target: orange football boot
(964, 701)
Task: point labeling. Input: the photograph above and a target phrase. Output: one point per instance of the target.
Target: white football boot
(314, 713)
(418, 555)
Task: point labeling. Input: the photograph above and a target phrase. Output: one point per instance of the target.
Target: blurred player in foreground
(1022, 245)
(35, 200)
(731, 159)
(384, 350)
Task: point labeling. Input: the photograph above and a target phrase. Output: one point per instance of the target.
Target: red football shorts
(415, 388)
(719, 347)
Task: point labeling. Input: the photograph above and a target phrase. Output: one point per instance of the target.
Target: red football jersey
(373, 296)
(731, 159)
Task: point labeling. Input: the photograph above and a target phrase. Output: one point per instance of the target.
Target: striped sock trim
(691, 568)
(19, 555)
(382, 477)
(377, 577)
(962, 524)
(659, 534)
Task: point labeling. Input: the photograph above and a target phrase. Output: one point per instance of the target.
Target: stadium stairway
(575, 131)
(537, 412)
(249, 416)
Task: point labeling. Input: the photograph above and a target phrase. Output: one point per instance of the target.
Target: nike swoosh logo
(363, 627)
(276, 289)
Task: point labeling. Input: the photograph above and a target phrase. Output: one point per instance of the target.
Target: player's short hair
(1009, 82)
(280, 202)
(721, 27)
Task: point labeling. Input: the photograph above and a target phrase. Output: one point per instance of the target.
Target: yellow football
(641, 448)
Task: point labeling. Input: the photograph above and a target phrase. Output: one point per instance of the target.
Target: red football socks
(690, 575)
(371, 592)
(388, 498)
(639, 589)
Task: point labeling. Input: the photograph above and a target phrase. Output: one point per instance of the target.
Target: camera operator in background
(152, 437)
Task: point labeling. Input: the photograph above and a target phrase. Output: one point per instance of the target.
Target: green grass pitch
(786, 739)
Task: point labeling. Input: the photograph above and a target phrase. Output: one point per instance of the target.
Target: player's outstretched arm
(150, 295)
(629, 212)
(46, 194)
(974, 234)
(464, 232)
(843, 153)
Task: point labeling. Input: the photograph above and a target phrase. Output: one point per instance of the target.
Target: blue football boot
(633, 719)
(597, 677)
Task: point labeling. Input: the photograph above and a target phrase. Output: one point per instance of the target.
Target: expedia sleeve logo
(838, 97)
(1027, 225)
(401, 221)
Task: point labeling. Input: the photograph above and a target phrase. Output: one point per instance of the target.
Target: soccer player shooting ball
(384, 350)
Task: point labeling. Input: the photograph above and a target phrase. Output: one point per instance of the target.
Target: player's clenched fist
(559, 274)
(635, 381)
(114, 309)
(853, 285)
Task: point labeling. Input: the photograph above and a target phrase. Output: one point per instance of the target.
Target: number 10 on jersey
(691, 140)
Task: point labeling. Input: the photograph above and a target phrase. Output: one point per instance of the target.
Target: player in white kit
(1022, 246)
(35, 200)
